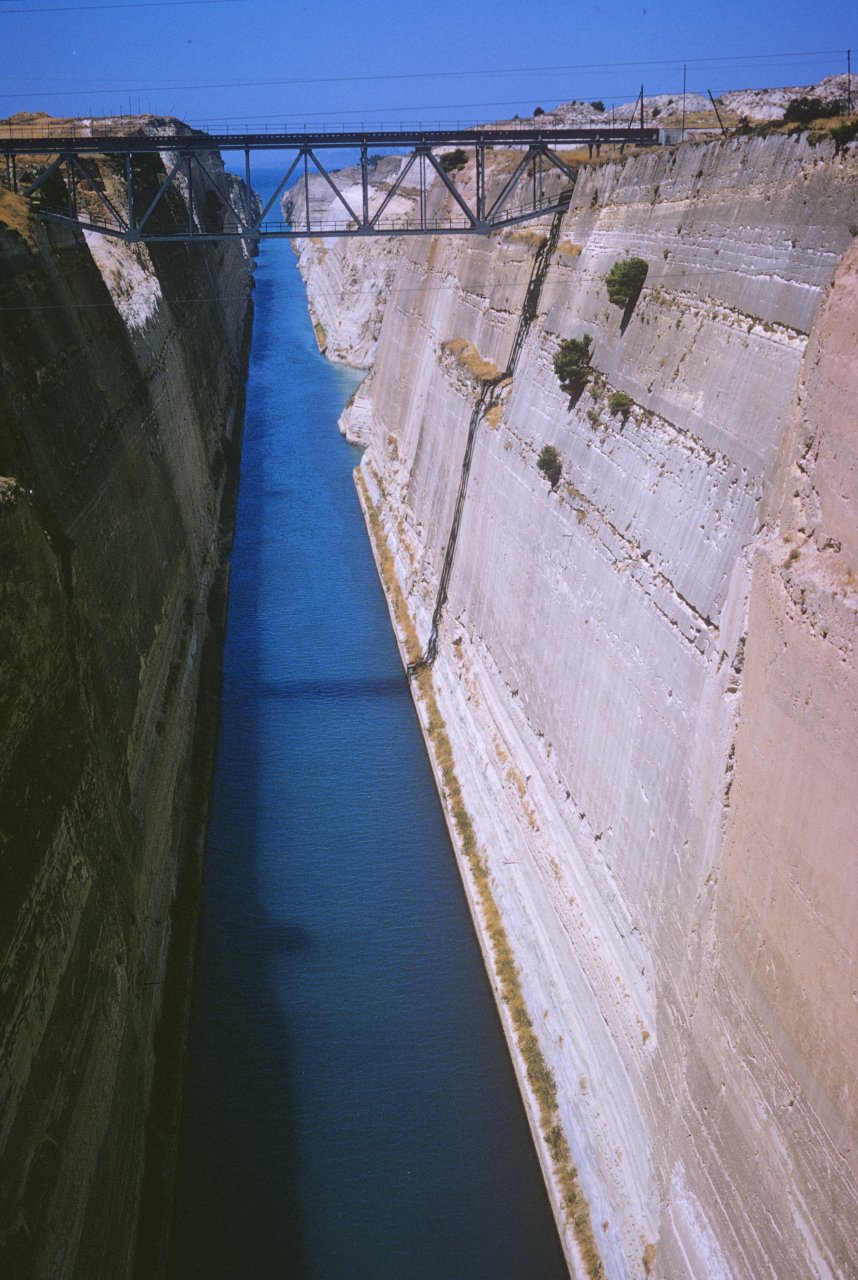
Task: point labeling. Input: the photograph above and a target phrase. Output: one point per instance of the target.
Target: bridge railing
(108, 137)
(86, 127)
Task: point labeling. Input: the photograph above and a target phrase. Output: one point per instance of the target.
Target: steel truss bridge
(59, 169)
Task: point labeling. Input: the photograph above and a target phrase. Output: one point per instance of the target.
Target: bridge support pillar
(364, 183)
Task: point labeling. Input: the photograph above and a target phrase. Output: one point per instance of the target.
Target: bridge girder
(521, 198)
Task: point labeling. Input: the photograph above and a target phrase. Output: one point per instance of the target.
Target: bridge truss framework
(134, 218)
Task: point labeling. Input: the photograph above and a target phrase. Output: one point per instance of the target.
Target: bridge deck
(95, 143)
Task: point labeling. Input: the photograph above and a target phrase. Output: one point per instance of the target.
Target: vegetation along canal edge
(536, 1083)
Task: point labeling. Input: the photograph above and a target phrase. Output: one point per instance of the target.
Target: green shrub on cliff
(620, 403)
(625, 281)
(572, 364)
(802, 110)
(843, 134)
(452, 161)
(550, 464)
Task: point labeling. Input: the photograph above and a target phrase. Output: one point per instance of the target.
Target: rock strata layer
(647, 671)
(120, 409)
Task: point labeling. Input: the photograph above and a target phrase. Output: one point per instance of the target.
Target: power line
(132, 4)
(334, 113)
(795, 59)
(733, 60)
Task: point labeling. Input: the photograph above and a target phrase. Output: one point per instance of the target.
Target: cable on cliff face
(485, 401)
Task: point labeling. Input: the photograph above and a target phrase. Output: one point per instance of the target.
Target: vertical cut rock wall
(648, 675)
(120, 408)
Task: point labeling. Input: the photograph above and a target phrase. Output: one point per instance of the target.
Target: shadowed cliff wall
(120, 410)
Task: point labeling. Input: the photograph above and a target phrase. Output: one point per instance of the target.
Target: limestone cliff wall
(346, 291)
(648, 678)
(120, 406)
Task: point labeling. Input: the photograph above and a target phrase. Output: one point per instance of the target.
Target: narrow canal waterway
(350, 1108)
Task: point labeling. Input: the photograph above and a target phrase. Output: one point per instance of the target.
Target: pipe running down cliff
(529, 308)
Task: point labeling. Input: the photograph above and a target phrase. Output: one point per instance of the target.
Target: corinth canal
(350, 1108)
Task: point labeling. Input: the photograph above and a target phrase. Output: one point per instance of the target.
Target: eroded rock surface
(120, 405)
(648, 675)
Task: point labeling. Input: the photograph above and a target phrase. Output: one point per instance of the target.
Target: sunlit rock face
(120, 409)
(648, 671)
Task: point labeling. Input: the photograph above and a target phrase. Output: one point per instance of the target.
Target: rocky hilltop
(644, 706)
(702, 112)
(120, 409)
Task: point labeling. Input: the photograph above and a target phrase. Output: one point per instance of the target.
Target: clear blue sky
(448, 60)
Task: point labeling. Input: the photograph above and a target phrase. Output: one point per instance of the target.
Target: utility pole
(717, 112)
(684, 82)
(849, 82)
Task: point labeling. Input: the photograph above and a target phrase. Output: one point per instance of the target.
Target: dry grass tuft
(470, 359)
(533, 239)
(706, 119)
(608, 154)
(388, 573)
(9, 490)
(321, 336)
(319, 248)
(16, 215)
(569, 250)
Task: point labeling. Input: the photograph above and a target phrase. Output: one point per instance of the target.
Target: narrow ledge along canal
(350, 1109)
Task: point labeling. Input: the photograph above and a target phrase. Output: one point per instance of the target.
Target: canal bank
(351, 1109)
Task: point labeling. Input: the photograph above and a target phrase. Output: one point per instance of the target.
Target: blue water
(350, 1108)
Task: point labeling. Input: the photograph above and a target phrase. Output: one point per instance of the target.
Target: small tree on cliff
(572, 364)
(452, 161)
(620, 403)
(550, 464)
(803, 110)
(625, 281)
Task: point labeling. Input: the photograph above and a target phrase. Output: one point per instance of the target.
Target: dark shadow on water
(344, 688)
(239, 1108)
